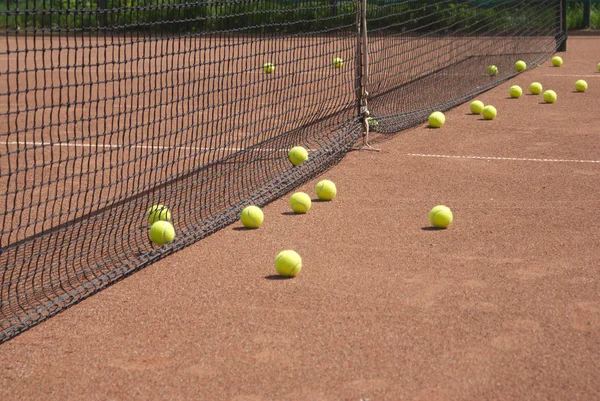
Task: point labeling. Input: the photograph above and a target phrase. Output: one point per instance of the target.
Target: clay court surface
(504, 305)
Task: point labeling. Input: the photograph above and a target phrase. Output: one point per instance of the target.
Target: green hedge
(289, 16)
(575, 15)
(179, 15)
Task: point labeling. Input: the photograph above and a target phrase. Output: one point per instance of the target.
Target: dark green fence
(583, 14)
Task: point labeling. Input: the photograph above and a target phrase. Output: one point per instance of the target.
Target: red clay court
(504, 305)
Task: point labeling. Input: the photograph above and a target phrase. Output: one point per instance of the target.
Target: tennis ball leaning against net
(550, 96)
(515, 91)
(476, 107)
(338, 62)
(492, 70)
(441, 216)
(326, 190)
(268, 68)
(300, 202)
(298, 155)
(158, 213)
(536, 88)
(437, 119)
(161, 233)
(520, 66)
(288, 263)
(557, 61)
(581, 86)
(373, 124)
(489, 112)
(252, 217)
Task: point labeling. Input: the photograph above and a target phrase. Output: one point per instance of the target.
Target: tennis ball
(158, 213)
(373, 124)
(298, 155)
(489, 112)
(288, 263)
(581, 86)
(440, 216)
(338, 62)
(515, 91)
(268, 68)
(520, 66)
(536, 88)
(476, 106)
(162, 232)
(437, 119)
(300, 202)
(550, 96)
(326, 190)
(557, 61)
(598, 66)
(252, 217)
(492, 70)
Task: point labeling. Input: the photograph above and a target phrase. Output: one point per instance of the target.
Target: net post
(362, 73)
(358, 83)
(561, 35)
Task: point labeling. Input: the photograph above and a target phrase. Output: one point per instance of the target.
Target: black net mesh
(109, 107)
(432, 55)
(106, 112)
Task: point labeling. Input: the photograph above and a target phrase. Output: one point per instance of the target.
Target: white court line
(573, 75)
(113, 146)
(503, 158)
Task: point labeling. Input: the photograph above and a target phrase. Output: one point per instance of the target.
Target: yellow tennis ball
(550, 96)
(338, 62)
(489, 112)
(298, 155)
(326, 190)
(492, 70)
(300, 202)
(373, 124)
(581, 86)
(158, 213)
(476, 107)
(557, 61)
(268, 68)
(437, 119)
(536, 88)
(252, 217)
(515, 91)
(520, 66)
(162, 232)
(440, 216)
(598, 66)
(288, 263)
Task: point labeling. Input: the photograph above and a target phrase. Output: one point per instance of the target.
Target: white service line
(503, 158)
(573, 75)
(113, 146)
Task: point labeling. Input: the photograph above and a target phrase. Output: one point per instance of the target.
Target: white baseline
(524, 159)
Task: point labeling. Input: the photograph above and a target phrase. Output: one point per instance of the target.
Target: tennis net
(110, 107)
